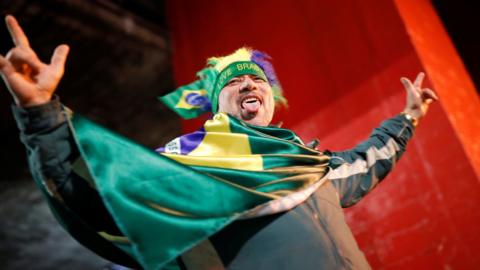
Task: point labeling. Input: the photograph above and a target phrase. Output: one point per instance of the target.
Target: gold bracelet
(410, 118)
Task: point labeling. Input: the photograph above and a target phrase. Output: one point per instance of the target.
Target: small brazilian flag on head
(192, 100)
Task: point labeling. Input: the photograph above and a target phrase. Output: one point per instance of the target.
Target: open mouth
(251, 103)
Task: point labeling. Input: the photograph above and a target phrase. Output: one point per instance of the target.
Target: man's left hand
(418, 98)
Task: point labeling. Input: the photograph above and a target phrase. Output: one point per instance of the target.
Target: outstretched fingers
(418, 98)
(406, 82)
(409, 87)
(418, 81)
(18, 36)
(59, 58)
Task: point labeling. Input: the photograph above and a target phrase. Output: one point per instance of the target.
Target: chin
(257, 122)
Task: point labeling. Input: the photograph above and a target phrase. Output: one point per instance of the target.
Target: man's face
(248, 98)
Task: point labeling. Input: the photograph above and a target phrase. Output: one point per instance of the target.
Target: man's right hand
(30, 81)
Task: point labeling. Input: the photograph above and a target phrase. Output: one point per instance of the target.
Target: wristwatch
(410, 118)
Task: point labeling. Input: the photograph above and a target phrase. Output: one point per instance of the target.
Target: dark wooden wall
(119, 63)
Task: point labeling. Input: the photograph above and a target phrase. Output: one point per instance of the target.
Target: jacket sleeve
(357, 171)
(53, 158)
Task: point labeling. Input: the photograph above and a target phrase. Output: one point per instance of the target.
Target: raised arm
(53, 157)
(357, 171)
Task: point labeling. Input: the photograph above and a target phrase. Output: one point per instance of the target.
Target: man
(236, 194)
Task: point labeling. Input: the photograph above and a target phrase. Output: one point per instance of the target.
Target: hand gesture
(30, 81)
(418, 98)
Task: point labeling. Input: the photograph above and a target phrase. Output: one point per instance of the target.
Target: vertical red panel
(340, 63)
(449, 76)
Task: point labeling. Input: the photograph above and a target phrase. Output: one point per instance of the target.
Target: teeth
(252, 99)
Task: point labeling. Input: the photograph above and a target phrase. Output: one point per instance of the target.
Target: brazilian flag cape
(167, 201)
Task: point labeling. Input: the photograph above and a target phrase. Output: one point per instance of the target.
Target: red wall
(340, 63)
